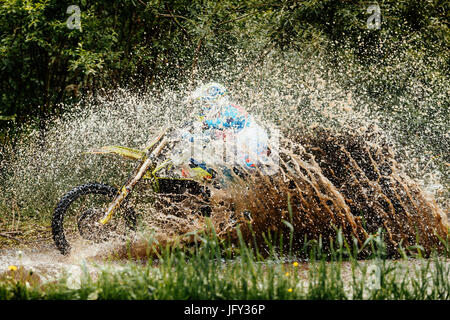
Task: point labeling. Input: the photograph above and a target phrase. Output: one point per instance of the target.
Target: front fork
(153, 151)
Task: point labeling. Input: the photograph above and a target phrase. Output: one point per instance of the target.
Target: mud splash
(328, 180)
(343, 180)
(336, 175)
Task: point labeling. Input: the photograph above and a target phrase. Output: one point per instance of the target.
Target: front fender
(129, 153)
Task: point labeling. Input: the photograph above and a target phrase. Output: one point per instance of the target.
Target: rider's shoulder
(234, 108)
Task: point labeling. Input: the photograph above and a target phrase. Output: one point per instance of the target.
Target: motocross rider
(223, 122)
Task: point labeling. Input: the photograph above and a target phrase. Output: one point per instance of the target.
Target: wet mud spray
(341, 166)
(327, 181)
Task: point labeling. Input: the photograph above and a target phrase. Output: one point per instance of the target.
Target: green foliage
(132, 43)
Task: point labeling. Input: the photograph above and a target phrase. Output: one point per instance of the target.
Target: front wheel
(77, 214)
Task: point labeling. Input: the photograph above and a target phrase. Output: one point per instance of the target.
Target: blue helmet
(210, 94)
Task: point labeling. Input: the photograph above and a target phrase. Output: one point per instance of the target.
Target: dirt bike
(99, 210)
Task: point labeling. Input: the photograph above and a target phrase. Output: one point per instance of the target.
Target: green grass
(214, 269)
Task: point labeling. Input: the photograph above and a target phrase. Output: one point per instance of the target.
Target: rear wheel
(77, 214)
